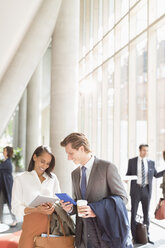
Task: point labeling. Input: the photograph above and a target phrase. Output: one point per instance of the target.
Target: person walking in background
(6, 183)
(98, 182)
(38, 180)
(141, 188)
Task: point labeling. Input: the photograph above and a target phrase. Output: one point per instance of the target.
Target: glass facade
(160, 81)
(122, 68)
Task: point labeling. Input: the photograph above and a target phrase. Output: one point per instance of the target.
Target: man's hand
(67, 206)
(86, 211)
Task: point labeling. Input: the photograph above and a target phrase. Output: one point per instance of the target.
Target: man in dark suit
(93, 180)
(141, 189)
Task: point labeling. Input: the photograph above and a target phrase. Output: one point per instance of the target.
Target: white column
(64, 86)
(15, 128)
(22, 126)
(33, 114)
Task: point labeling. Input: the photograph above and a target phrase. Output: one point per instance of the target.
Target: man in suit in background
(93, 180)
(141, 189)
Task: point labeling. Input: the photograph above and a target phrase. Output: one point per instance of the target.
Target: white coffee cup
(81, 203)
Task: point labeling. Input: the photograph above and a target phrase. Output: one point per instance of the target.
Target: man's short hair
(77, 140)
(143, 145)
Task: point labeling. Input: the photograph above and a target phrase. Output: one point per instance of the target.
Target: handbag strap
(49, 220)
(59, 219)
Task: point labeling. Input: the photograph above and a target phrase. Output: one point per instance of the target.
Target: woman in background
(38, 180)
(6, 183)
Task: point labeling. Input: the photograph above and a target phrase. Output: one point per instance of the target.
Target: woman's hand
(67, 206)
(47, 208)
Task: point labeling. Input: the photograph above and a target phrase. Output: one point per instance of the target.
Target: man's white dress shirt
(88, 166)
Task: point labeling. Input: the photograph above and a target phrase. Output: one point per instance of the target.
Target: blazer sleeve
(115, 184)
(158, 174)
(74, 209)
(129, 172)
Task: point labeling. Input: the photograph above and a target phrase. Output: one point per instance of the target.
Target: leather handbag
(49, 242)
(160, 210)
(141, 233)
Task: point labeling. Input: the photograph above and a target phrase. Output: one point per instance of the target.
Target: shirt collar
(89, 164)
(140, 158)
(33, 172)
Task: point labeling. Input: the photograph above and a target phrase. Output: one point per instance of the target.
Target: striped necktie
(143, 174)
(83, 182)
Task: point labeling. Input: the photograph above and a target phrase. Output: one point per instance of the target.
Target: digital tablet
(66, 198)
(40, 199)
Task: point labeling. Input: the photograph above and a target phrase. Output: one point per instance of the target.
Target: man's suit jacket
(132, 170)
(104, 181)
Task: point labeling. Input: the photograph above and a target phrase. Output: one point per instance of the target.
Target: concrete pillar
(27, 53)
(33, 114)
(15, 128)
(64, 86)
(22, 126)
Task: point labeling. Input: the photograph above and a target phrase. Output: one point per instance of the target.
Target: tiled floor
(8, 220)
(157, 234)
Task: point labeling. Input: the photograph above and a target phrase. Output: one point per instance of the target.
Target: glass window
(121, 38)
(84, 28)
(91, 24)
(138, 19)
(105, 16)
(100, 53)
(99, 110)
(81, 30)
(111, 17)
(95, 57)
(100, 20)
(108, 45)
(89, 62)
(141, 91)
(81, 110)
(82, 69)
(87, 25)
(132, 2)
(156, 9)
(90, 117)
(124, 109)
(95, 21)
(121, 8)
(108, 15)
(110, 109)
(160, 75)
